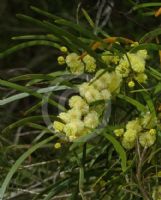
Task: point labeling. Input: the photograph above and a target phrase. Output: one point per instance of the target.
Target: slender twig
(56, 197)
(81, 173)
(39, 164)
(139, 170)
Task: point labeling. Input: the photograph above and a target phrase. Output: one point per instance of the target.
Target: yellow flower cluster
(75, 64)
(101, 86)
(80, 119)
(109, 58)
(78, 66)
(133, 63)
(137, 129)
(77, 121)
(90, 63)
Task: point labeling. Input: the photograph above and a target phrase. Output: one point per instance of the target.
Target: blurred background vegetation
(115, 17)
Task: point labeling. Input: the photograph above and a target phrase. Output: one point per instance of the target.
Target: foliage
(119, 159)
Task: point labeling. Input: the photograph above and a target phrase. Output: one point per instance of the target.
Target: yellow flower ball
(90, 63)
(137, 63)
(141, 77)
(61, 60)
(74, 63)
(57, 145)
(130, 135)
(91, 120)
(64, 116)
(105, 94)
(92, 95)
(83, 88)
(143, 54)
(115, 83)
(58, 126)
(99, 84)
(146, 139)
(134, 125)
(74, 129)
(79, 103)
(74, 114)
(123, 68)
(63, 49)
(130, 61)
(73, 101)
(148, 121)
(152, 131)
(103, 76)
(119, 132)
(108, 58)
(135, 44)
(131, 84)
(128, 145)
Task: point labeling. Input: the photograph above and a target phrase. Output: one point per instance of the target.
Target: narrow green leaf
(145, 5)
(33, 108)
(64, 41)
(119, 149)
(74, 39)
(135, 103)
(24, 95)
(39, 127)
(28, 91)
(45, 13)
(59, 187)
(13, 98)
(27, 120)
(148, 46)
(28, 44)
(81, 29)
(36, 37)
(157, 89)
(150, 35)
(149, 103)
(32, 76)
(65, 22)
(66, 37)
(36, 78)
(88, 18)
(156, 72)
(150, 13)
